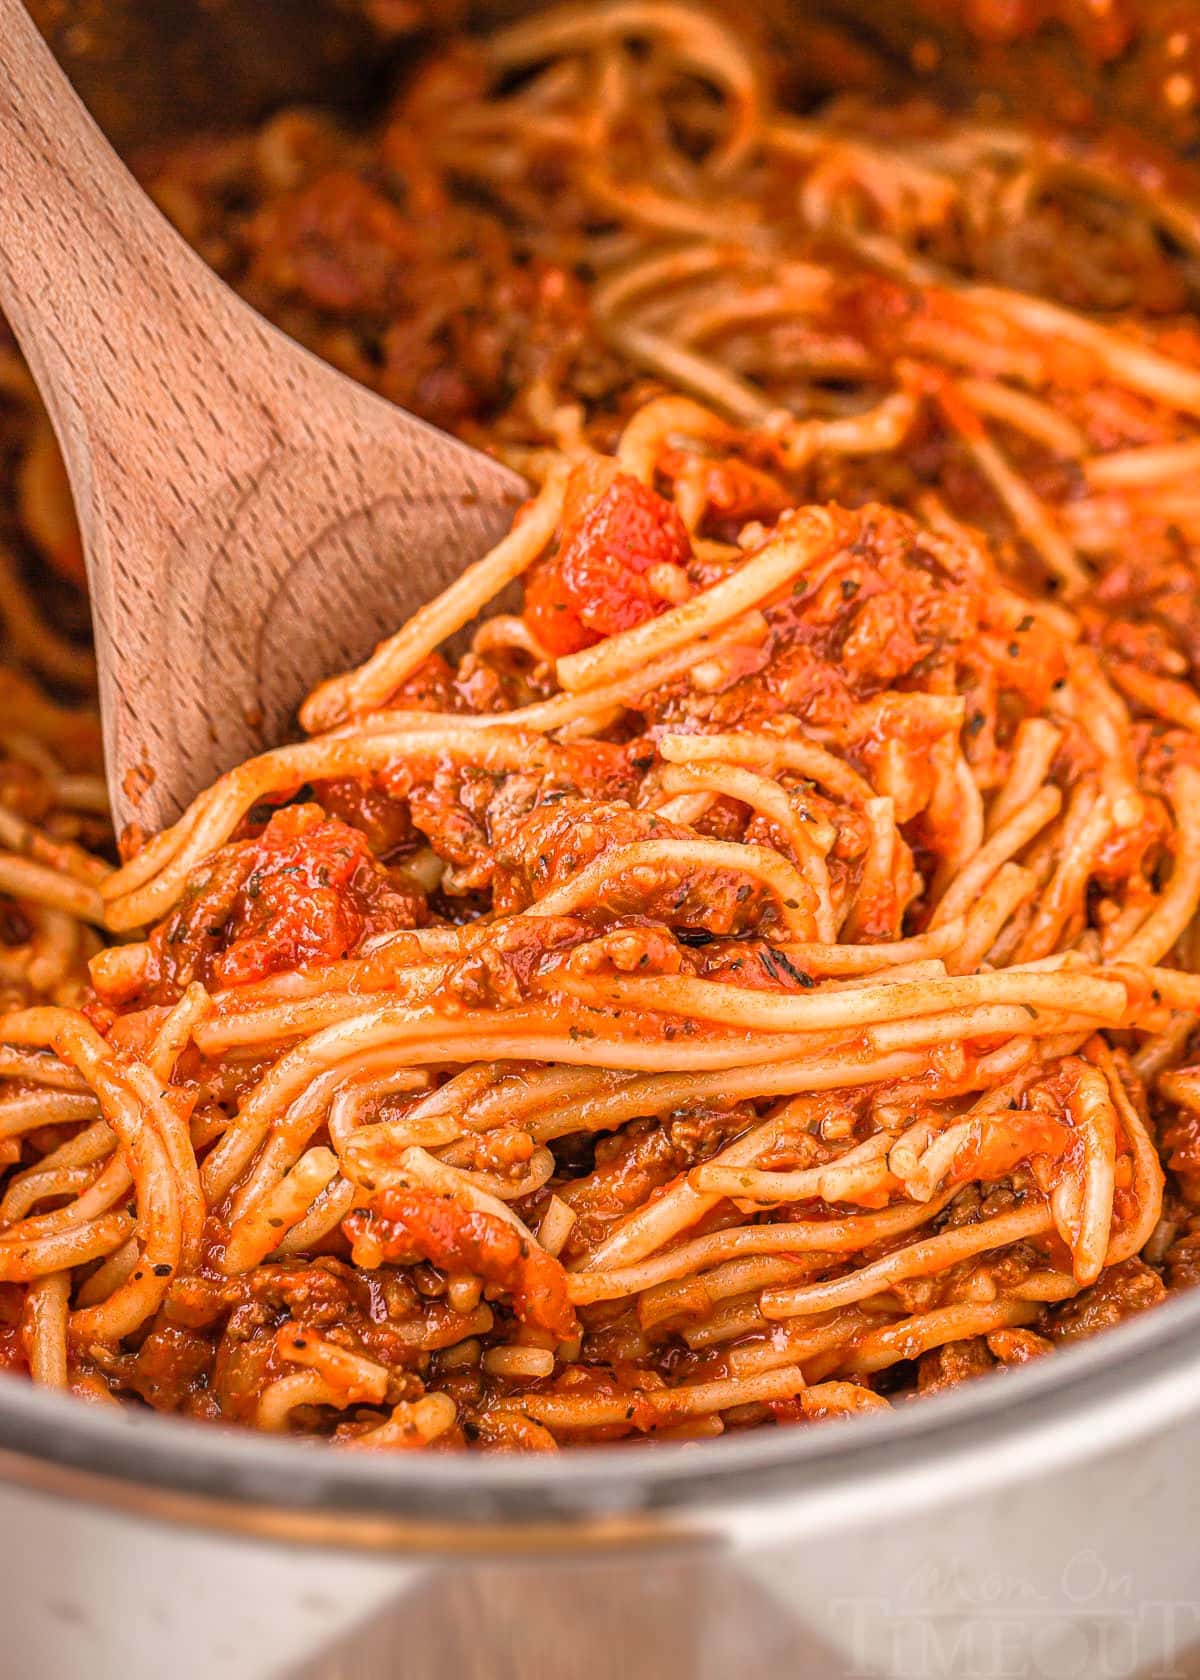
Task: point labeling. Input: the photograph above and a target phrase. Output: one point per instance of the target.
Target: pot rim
(1083, 1400)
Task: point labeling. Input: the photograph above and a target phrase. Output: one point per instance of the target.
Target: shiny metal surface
(1039, 1523)
(1024, 1529)
(1093, 1398)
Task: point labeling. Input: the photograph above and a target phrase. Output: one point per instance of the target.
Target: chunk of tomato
(298, 903)
(598, 583)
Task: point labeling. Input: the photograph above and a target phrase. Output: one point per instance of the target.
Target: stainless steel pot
(1035, 1523)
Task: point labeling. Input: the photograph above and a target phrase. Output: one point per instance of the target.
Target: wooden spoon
(252, 520)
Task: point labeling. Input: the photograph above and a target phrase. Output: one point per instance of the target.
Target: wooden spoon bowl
(252, 520)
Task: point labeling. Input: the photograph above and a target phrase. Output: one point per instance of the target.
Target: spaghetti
(756, 980)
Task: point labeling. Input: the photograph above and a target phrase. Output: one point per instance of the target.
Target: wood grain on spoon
(252, 520)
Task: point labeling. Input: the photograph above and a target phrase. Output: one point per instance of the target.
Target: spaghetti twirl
(757, 979)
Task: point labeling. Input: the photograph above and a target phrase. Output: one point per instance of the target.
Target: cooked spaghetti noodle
(756, 980)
